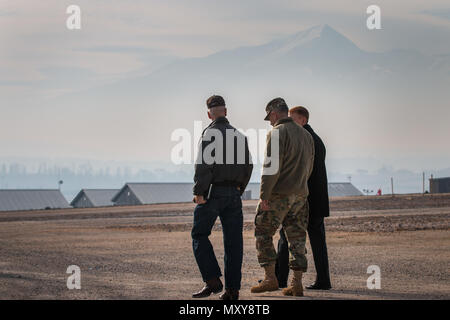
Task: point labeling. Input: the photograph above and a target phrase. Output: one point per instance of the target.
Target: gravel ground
(142, 257)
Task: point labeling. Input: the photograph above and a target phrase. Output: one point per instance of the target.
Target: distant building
(440, 185)
(252, 191)
(342, 189)
(89, 198)
(148, 193)
(247, 195)
(335, 189)
(23, 199)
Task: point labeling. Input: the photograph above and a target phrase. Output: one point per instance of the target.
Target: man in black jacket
(318, 209)
(222, 172)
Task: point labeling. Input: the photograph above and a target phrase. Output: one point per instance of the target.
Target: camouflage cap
(277, 104)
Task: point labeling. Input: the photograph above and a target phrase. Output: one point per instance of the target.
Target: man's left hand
(264, 205)
(199, 200)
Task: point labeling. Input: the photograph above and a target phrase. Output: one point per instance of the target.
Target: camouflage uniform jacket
(296, 159)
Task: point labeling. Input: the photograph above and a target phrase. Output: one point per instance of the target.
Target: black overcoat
(318, 182)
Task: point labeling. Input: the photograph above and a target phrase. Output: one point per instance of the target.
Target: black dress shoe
(211, 286)
(230, 294)
(319, 286)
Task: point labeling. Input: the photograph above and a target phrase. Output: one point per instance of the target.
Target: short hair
(215, 101)
(301, 111)
(217, 111)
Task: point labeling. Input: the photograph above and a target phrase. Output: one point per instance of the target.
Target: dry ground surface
(145, 252)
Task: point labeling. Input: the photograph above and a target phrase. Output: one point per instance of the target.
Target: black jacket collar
(219, 120)
(308, 128)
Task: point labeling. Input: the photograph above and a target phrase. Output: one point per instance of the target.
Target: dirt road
(150, 257)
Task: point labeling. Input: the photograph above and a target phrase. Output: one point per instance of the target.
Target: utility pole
(392, 186)
(431, 181)
(423, 183)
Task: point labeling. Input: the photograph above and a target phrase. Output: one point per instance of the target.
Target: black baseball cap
(215, 101)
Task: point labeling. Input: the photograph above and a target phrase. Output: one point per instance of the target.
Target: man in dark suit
(318, 209)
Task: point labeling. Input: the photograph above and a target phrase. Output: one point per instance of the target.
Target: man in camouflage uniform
(283, 197)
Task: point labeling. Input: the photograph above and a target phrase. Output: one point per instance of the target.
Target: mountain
(316, 44)
(320, 47)
(316, 54)
(318, 67)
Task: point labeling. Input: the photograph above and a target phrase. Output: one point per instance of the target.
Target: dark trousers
(225, 203)
(316, 234)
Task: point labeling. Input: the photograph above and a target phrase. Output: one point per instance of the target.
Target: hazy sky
(124, 35)
(41, 59)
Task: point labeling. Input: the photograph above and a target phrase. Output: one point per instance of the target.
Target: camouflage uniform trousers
(292, 212)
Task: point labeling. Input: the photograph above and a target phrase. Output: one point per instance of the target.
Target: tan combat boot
(270, 282)
(296, 287)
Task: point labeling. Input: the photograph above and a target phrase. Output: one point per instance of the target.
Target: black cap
(215, 101)
(276, 104)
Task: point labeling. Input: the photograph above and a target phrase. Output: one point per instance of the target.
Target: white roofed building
(31, 199)
(89, 198)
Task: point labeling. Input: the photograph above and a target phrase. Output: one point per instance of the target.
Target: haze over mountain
(363, 104)
(309, 57)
